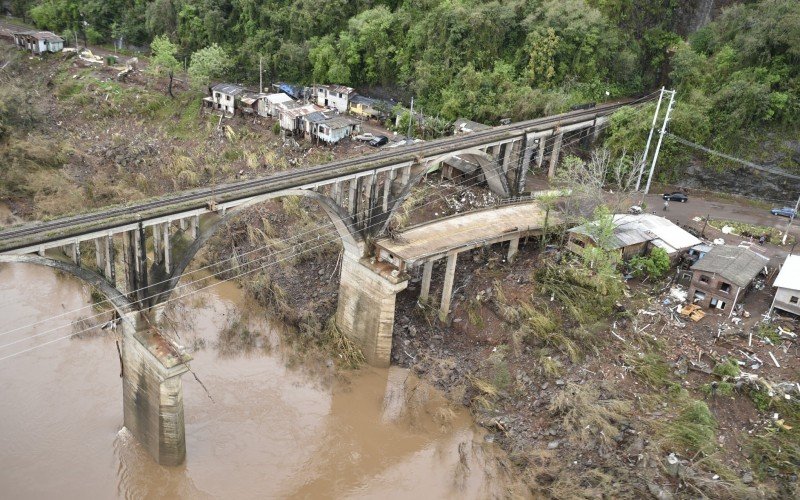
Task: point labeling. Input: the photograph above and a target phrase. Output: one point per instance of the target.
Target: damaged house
(635, 235)
(333, 96)
(722, 278)
(39, 42)
(225, 97)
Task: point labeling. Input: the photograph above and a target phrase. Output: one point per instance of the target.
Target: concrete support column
(513, 248)
(507, 156)
(447, 292)
(336, 192)
(156, 244)
(366, 307)
(387, 187)
(109, 271)
(152, 391)
(167, 263)
(370, 193)
(405, 175)
(182, 224)
(425, 289)
(76, 254)
(137, 249)
(98, 253)
(351, 198)
(525, 163)
(540, 152)
(40, 251)
(194, 225)
(554, 155)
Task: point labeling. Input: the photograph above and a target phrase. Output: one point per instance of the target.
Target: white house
(335, 129)
(225, 97)
(787, 295)
(271, 103)
(333, 96)
(39, 42)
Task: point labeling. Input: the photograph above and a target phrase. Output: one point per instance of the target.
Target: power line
(234, 277)
(762, 168)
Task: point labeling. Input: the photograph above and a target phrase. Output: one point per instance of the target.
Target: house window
(794, 300)
(725, 287)
(228, 97)
(704, 278)
(699, 296)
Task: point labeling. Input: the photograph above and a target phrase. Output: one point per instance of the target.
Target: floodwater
(270, 432)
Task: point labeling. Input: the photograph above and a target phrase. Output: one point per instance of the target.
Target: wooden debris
(774, 360)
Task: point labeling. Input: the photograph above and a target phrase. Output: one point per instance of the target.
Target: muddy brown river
(273, 430)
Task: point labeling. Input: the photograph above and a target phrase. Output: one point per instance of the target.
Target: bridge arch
(352, 241)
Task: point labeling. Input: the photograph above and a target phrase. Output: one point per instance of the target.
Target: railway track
(284, 180)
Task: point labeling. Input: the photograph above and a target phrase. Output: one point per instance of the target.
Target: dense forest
(486, 59)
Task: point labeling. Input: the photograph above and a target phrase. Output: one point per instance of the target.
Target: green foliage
(727, 369)
(208, 63)
(655, 264)
(163, 58)
(650, 367)
(693, 430)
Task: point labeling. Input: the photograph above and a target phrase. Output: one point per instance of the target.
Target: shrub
(655, 265)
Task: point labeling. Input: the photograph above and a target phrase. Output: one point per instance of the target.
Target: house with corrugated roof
(634, 235)
(464, 126)
(367, 107)
(333, 96)
(39, 42)
(224, 97)
(291, 115)
(787, 284)
(333, 130)
(724, 276)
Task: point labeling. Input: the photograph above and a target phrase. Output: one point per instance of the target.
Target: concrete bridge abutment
(365, 313)
(152, 390)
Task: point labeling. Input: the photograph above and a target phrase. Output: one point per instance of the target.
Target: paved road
(684, 213)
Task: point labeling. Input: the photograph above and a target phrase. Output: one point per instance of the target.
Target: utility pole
(791, 219)
(410, 119)
(649, 139)
(660, 139)
(260, 74)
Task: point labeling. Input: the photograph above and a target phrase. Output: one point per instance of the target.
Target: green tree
(655, 265)
(207, 64)
(163, 60)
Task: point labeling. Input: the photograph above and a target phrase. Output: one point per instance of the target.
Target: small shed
(787, 284)
(39, 42)
(252, 102)
(723, 276)
(335, 129)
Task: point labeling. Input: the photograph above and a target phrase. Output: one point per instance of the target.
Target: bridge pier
(152, 391)
(554, 155)
(447, 292)
(366, 306)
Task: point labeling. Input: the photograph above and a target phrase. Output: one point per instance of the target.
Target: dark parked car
(676, 197)
(379, 140)
(783, 212)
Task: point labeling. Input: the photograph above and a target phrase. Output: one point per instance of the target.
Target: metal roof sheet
(278, 98)
(340, 122)
(337, 88)
(789, 277)
(736, 264)
(464, 125)
(634, 229)
(228, 88)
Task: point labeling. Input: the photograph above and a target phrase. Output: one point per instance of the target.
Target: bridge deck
(461, 232)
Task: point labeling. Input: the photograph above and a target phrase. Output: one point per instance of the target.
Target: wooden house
(39, 42)
(333, 96)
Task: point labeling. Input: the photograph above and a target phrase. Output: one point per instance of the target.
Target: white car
(366, 137)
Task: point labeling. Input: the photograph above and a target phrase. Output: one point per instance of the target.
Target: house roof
(41, 35)
(634, 229)
(228, 88)
(736, 264)
(337, 88)
(315, 117)
(463, 125)
(298, 111)
(278, 98)
(789, 277)
(340, 122)
(293, 90)
(360, 99)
